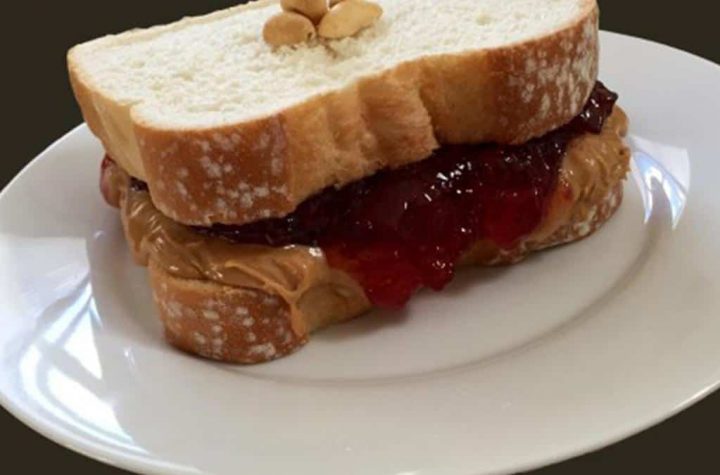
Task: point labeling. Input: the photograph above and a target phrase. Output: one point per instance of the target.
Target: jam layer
(400, 230)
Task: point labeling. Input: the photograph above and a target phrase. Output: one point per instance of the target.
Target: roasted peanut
(349, 17)
(313, 9)
(334, 2)
(287, 28)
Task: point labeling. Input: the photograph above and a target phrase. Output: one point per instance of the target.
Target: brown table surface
(39, 108)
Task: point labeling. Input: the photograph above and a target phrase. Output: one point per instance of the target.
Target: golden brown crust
(221, 322)
(266, 167)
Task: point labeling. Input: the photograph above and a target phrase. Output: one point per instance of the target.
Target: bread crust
(265, 168)
(223, 323)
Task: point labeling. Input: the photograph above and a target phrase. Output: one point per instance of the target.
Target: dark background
(39, 108)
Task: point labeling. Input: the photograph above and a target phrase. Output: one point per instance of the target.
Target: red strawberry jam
(400, 230)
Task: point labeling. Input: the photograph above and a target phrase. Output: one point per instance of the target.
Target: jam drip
(400, 230)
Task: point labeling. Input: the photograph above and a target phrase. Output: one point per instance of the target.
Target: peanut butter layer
(593, 166)
(315, 293)
(312, 290)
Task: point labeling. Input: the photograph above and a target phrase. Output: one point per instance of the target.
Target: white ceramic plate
(507, 370)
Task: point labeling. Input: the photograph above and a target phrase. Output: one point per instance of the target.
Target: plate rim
(124, 460)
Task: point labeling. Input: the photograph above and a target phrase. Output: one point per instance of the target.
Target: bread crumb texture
(218, 69)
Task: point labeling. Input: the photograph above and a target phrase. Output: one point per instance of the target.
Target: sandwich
(280, 167)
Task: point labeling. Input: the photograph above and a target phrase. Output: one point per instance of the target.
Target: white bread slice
(226, 130)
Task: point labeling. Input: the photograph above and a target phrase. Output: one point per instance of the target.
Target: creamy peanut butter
(315, 293)
(593, 166)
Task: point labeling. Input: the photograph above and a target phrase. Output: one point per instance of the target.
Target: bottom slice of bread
(246, 326)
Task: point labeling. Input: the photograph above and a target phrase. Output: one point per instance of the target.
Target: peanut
(349, 17)
(313, 9)
(287, 29)
(334, 2)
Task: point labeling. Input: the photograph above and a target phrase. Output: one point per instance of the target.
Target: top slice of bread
(226, 130)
